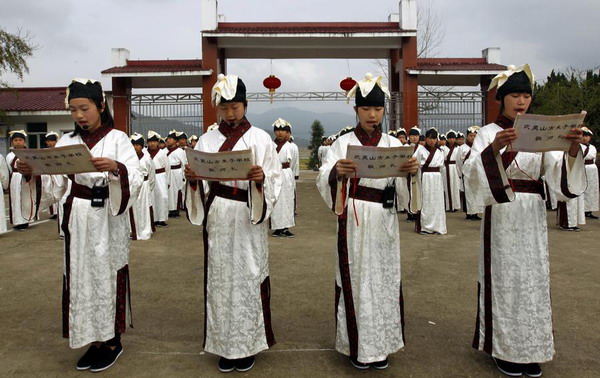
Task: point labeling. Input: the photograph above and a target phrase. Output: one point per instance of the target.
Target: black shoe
(509, 368)
(173, 214)
(106, 358)
(358, 365)
(88, 358)
(380, 365)
(21, 227)
(161, 224)
(54, 217)
(577, 229)
(277, 233)
(226, 365)
(475, 217)
(245, 364)
(590, 215)
(287, 233)
(532, 370)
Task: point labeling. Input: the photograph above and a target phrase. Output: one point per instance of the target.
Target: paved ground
(439, 279)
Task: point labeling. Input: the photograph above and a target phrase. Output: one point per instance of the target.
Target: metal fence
(439, 108)
(164, 112)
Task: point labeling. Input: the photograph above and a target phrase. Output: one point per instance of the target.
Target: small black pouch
(98, 196)
(389, 196)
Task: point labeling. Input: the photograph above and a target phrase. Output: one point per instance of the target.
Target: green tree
(571, 92)
(316, 134)
(15, 49)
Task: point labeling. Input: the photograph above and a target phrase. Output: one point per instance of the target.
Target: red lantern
(347, 84)
(272, 83)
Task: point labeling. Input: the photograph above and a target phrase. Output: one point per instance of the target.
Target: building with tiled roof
(35, 110)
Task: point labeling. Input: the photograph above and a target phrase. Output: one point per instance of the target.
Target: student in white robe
(432, 217)
(414, 135)
(514, 316)
(50, 140)
(141, 214)
(19, 218)
(235, 216)
(96, 273)
(193, 141)
(460, 138)
(177, 162)
(466, 197)
(295, 168)
(570, 213)
(369, 302)
(591, 195)
(401, 135)
(3, 186)
(182, 140)
(282, 217)
(450, 174)
(162, 178)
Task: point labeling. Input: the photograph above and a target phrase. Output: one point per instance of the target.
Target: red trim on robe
(493, 175)
(265, 297)
(124, 179)
(351, 324)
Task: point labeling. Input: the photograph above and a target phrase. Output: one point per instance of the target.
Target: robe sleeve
(263, 196)
(151, 176)
(565, 175)
(124, 188)
(296, 163)
(328, 183)
(194, 201)
(3, 173)
(485, 174)
(38, 194)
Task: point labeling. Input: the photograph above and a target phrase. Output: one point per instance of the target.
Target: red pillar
(210, 61)
(121, 88)
(491, 106)
(410, 102)
(394, 84)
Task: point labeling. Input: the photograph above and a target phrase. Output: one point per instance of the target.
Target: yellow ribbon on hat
(502, 77)
(225, 87)
(367, 84)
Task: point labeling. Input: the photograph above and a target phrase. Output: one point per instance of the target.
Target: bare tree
(430, 35)
(14, 51)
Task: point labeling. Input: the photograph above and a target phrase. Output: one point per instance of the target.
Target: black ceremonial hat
(516, 83)
(375, 98)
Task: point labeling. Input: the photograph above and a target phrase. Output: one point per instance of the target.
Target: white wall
(58, 123)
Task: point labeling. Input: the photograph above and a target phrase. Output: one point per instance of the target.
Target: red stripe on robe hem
(66, 297)
(124, 180)
(487, 275)
(351, 324)
(132, 224)
(564, 185)
(265, 297)
(493, 175)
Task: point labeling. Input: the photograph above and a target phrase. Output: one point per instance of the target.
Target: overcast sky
(76, 36)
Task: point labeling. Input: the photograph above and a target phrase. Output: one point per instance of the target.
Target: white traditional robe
(592, 202)
(162, 179)
(177, 162)
(18, 214)
(96, 241)
(432, 218)
(141, 222)
(4, 178)
(369, 302)
(570, 213)
(295, 161)
(514, 320)
(469, 207)
(283, 212)
(321, 153)
(237, 286)
(451, 178)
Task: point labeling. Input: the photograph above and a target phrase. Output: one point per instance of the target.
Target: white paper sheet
(220, 166)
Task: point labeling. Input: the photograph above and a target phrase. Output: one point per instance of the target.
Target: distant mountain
(301, 121)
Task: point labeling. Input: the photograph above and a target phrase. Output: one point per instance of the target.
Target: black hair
(432, 133)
